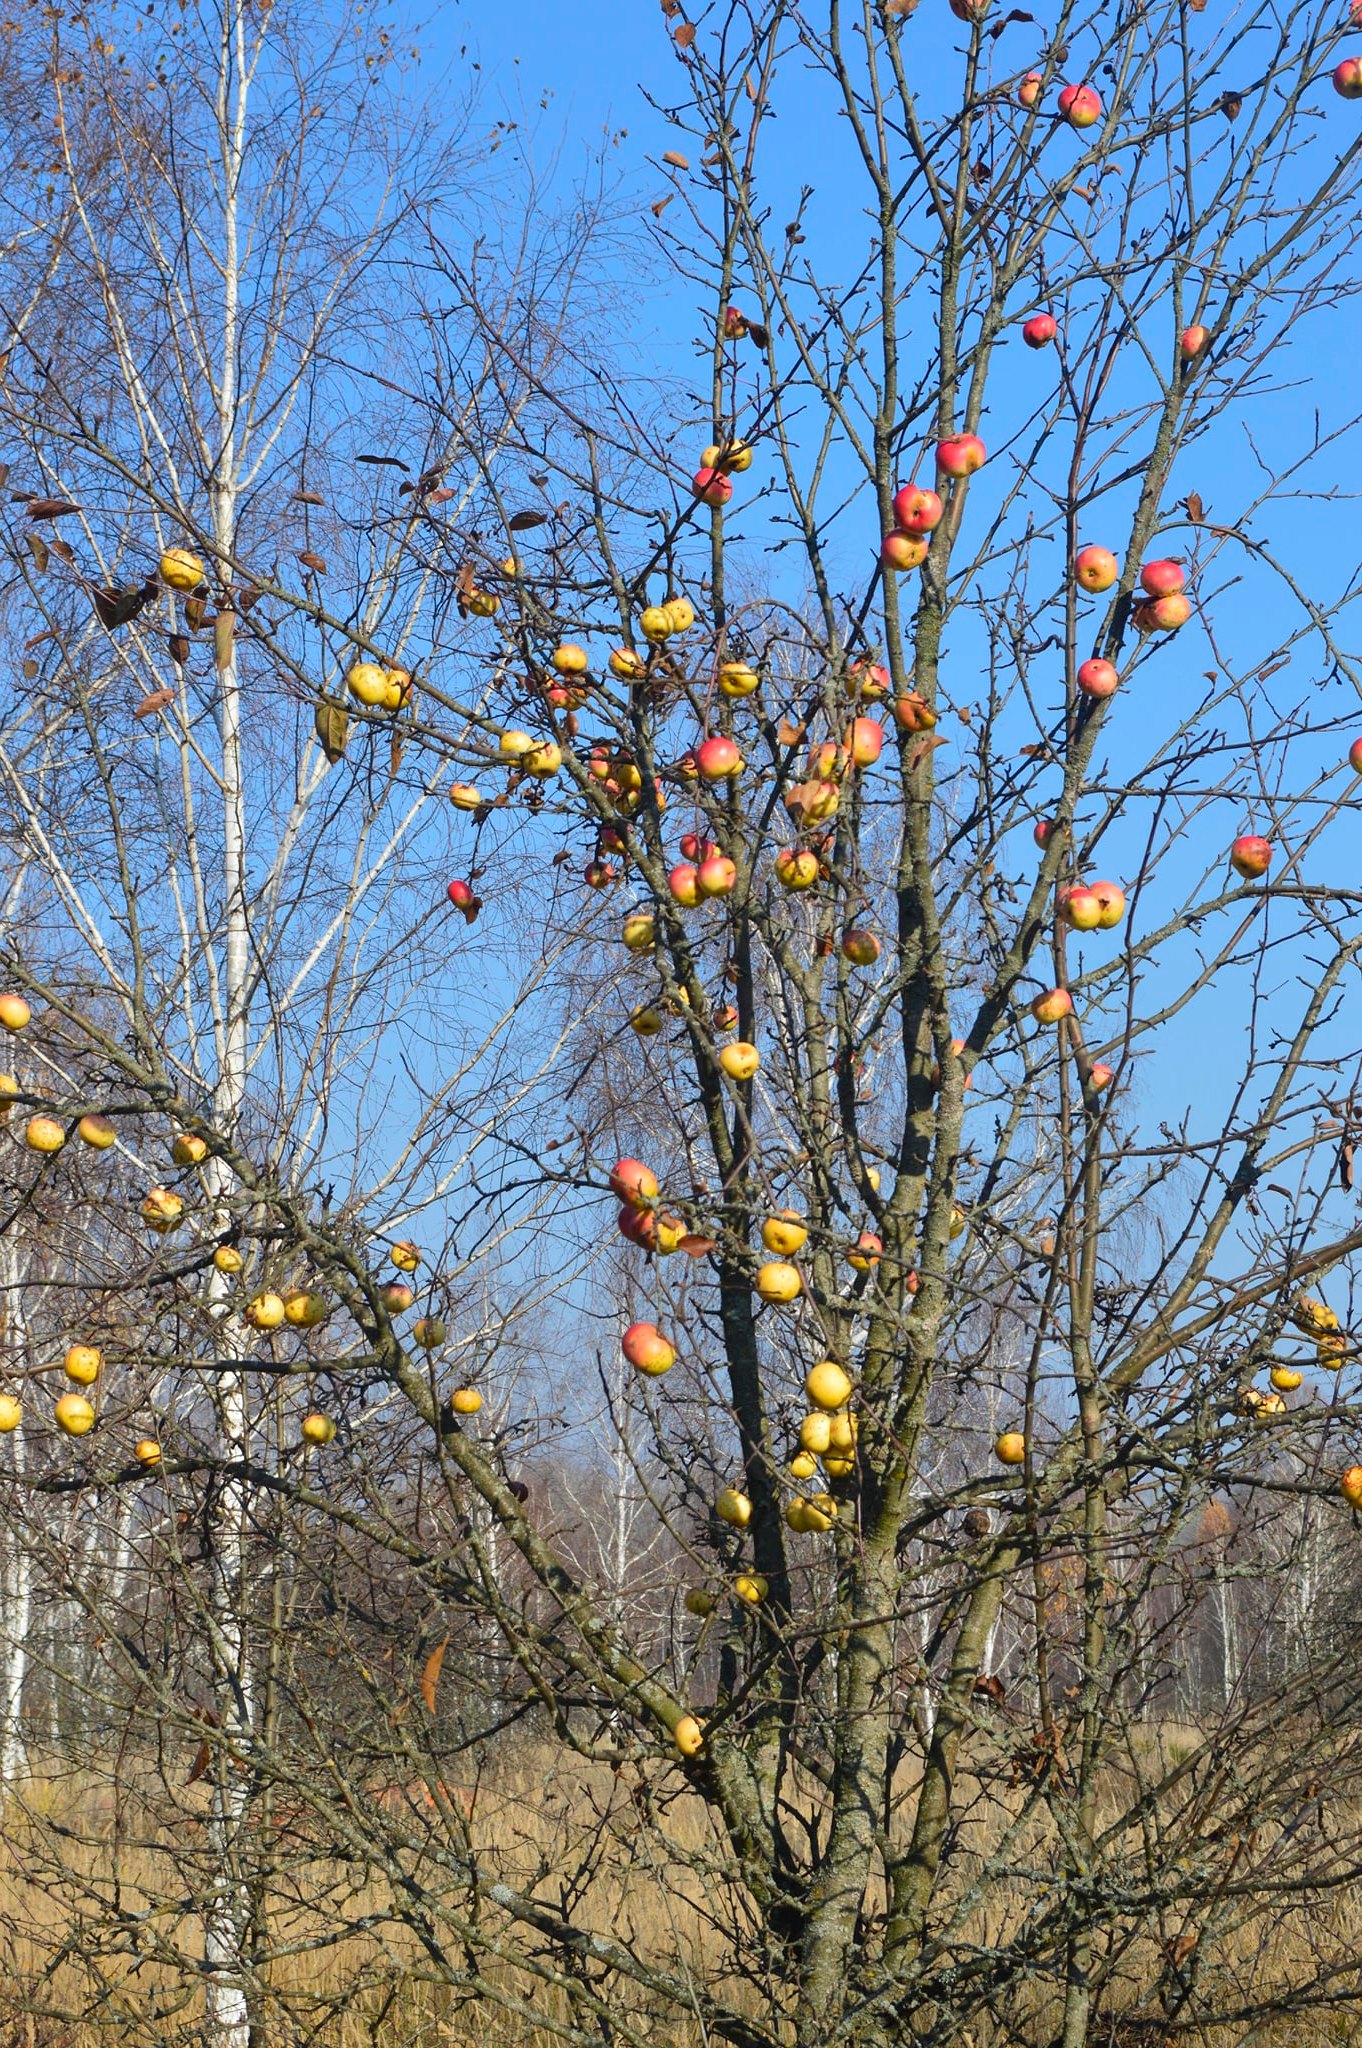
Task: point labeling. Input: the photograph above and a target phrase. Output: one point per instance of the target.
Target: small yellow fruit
(839, 1468)
(543, 760)
(959, 1222)
(751, 1587)
(698, 1601)
(465, 1400)
(464, 796)
(82, 1364)
(734, 1508)
(14, 1012)
(797, 1514)
(803, 1464)
(189, 1149)
(819, 1514)
(1010, 1449)
(181, 570)
(147, 1451)
(681, 612)
(647, 1023)
(815, 1434)
(97, 1132)
(9, 1088)
(626, 665)
(1313, 1316)
(828, 1386)
(318, 1429)
(368, 683)
(689, 1735)
(265, 1311)
(304, 1309)
(1285, 1378)
(483, 604)
(740, 1060)
(429, 1333)
(639, 933)
(784, 1234)
(161, 1210)
(736, 679)
(656, 623)
(842, 1432)
(44, 1134)
(228, 1259)
(570, 660)
(74, 1415)
(406, 1257)
(1351, 1485)
(778, 1281)
(11, 1413)
(515, 744)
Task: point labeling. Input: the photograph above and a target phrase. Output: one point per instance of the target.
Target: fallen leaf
(157, 701)
(430, 1677)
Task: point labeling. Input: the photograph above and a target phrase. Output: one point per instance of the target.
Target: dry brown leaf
(224, 640)
(521, 522)
(1196, 511)
(440, 497)
(1345, 1164)
(684, 36)
(37, 547)
(61, 548)
(50, 508)
(430, 1677)
(697, 1246)
(201, 1762)
(311, 561)
(178, 646)
(790, 735)
(676, 160)
(929, 741)
(308, 498)
(29, 670)
(331, 723)
(660, 206)
(157, 701)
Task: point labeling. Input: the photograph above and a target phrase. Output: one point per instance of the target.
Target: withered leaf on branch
(430, 1677)
(671, 7)
(929, 741)
(30, 669)
(178, 645)
(1345, 1164)
(50, 508)
(696, 1246)
(759, 334)
(660, 205)
(684, 35)
(521, 522)
(118, 607)
(37, 547)
(676, 160)
(790, 735)
(61, 548)
(331, 723)
(1231, 103)
(384, 462)
(157, 701)
(1196, 511)
(308, 498)
(311, 561)
(202, 1759)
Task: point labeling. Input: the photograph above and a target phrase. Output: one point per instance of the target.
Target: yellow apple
(368, 682)
(74, 1415)
(82, 1364)
(626, 665)
(304, 1308)
(97, 1132)
(734, 1508)
(681, 612)
(740, 1060)
(736, 679)
(1351, 1485)
(147, 1451)
(464, 796)
(14, 1012)
(265, 1311)
(161, 1210)
(465, 1400)
(785, 1233)
(689, 1735)
(815, 1434)
(429, 1333)
(11, 1413)
(44, 1134)
(406, 1257)
(318, 1429)
(698, 1601)
(803, 1464)
(181, 570)
(1010, 1449)
(228, 1259)
(828, 1386)
(188, 1149)
(778, 1281)
(1285, 1378)
(751, 1587)
(655, 623)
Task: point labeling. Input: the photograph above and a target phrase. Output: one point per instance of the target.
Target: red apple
(716, 876)
(696, 849)
(1031, 88)
(1053, 1006)
(1080, 106)
(645, 1347)
(1095, 569)
(734, 324)
(1098, 678)
(1099, 1077)
(796, 868)
(1251, 855)
(1040, 330)
(634, 1183)
(599, 874)
(900, 550)
(864, 741)
(465, 898)
(1080, 908)
(1348, 78)
(684, 884)
(1041, 831)
(1166, 614)
(867, 1252)
(869, 680)
(959, 455)
(1163, 579)
(1355, 750)
(861, 948)
(916, 510)
(912, 713)
(1194, 340)
(718, 758)
(712, 487)
(1113, 901)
